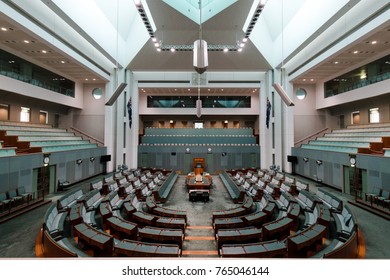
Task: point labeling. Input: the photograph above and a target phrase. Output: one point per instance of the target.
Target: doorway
(45, 180)
(43, 117)
(356, 117)
(355, 181)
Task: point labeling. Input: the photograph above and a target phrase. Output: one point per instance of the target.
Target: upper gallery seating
(192, 136)
(367, 139)
(19, 138)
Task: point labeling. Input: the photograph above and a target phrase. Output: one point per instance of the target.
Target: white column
(113, 126)
(288, 129)
(132, 144)
(109, 126)
(265, 136)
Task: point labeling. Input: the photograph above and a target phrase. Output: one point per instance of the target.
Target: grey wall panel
(16, 171)
(378, 167)
(236, 157)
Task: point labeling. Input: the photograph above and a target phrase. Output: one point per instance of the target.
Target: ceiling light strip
(223, 48)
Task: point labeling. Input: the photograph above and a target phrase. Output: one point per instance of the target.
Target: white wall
(307, 118)
(91, 118)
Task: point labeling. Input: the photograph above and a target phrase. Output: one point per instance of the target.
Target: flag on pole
(269, 106)
(129, 111)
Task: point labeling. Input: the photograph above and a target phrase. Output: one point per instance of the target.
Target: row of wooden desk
(243, 235)
(269, 249)
(130, 248)
(100, 242)
(147, 219)
(299, 243)
(164, 212)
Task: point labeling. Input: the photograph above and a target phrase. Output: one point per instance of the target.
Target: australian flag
(268, 113)
(129, 111)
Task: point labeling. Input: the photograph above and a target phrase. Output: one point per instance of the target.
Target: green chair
(4, 202)
(27, 197)
(13, 196)
(372, 196)
(383, 197)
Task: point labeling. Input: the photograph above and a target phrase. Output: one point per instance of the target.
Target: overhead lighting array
(240, 44)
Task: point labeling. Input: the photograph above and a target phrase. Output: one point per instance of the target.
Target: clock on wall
(352, 161)
(46, 160)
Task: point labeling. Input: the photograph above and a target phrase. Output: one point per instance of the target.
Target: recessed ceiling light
(62, 61)
(86, 79)
(221, 89)
(4, 29)
(26, 41)
(43, 51)
(311, 80)
(240, 50)
(158, 49)
(154, 39)
(245, 40)
(173, 50)
(374, 42)
(157, 45)
(355, 52)
(336, 62)
(188, 89)
(94, 79)
(225, 49)
(304, 80)
(242, 45)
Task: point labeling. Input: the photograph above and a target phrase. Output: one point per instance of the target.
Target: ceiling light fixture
(200, 61)
(374, 42)
(26, 41)
(209, 47)
(355, 52)
(4, 29)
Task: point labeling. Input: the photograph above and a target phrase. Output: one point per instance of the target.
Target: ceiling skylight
(190, 8)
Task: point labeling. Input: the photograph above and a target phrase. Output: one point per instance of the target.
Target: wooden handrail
(311, 136)
(89, 137)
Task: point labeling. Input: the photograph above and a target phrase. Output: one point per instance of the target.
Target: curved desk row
(269, 249)
(240, 235)
(131, 248)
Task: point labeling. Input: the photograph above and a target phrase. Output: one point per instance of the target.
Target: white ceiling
(174, 28)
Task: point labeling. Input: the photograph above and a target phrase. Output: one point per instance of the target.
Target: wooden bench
(130, 248)
(54, 222)
(122, 229)
(100, 242)
(330, 200)
(228, 223)
(269, 249)
(346, 224)
(162, 235)
(278, 229)
(299, 243)
(237, 236)
(65, 202)
(162, 192)
(236, 193)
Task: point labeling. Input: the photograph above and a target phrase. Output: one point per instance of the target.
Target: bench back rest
(21, 190)
(97, 185)
(12, 194)
(3, 196)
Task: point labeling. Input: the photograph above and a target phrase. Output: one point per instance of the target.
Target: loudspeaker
(292, 159)
(198, 108)
(105, 158)
(116, 94)
(201, 60)
(286, 99)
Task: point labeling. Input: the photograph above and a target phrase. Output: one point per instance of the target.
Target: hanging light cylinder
(201, 61)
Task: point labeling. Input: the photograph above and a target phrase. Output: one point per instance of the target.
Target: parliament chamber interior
(205, 129)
